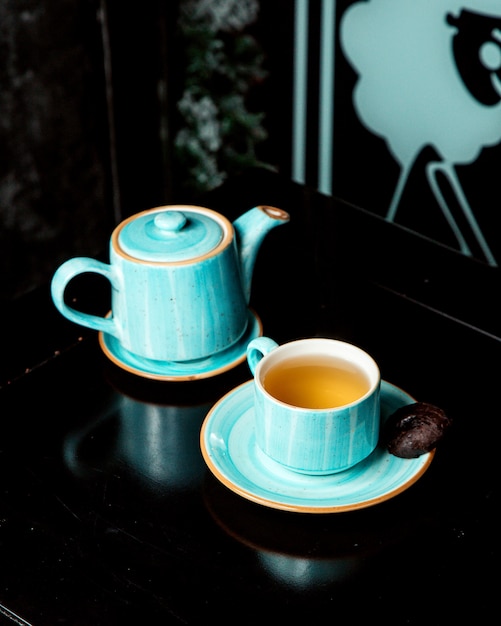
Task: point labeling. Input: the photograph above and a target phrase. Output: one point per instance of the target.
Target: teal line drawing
(429, 74)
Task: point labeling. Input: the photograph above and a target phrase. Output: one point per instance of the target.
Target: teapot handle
(64, 274)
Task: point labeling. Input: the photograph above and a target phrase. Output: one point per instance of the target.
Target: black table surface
(109, 515)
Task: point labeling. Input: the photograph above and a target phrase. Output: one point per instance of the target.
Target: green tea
(316, 382)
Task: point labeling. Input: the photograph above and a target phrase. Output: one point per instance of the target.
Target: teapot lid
(173, 234)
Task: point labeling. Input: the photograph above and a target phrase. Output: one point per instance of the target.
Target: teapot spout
(251, 228)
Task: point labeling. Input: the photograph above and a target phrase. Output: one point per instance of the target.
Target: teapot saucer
(230, 451)
(182, 371)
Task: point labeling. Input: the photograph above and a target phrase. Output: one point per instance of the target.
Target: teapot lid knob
(170, 221)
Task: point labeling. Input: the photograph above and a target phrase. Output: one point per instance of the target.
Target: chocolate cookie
(415, 429)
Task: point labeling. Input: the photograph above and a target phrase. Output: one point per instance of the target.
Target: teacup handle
(66, 272)
(258, 348)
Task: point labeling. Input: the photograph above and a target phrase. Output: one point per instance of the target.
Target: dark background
(88, 93)
(89, 117)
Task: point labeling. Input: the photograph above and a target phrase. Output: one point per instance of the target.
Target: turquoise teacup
(316, 404)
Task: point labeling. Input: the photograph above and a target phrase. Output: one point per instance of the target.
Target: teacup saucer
(179, 371)
(230, 451)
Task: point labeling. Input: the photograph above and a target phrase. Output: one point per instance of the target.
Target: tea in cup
(316, 403)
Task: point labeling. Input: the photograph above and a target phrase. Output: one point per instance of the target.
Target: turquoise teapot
(180, 280)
